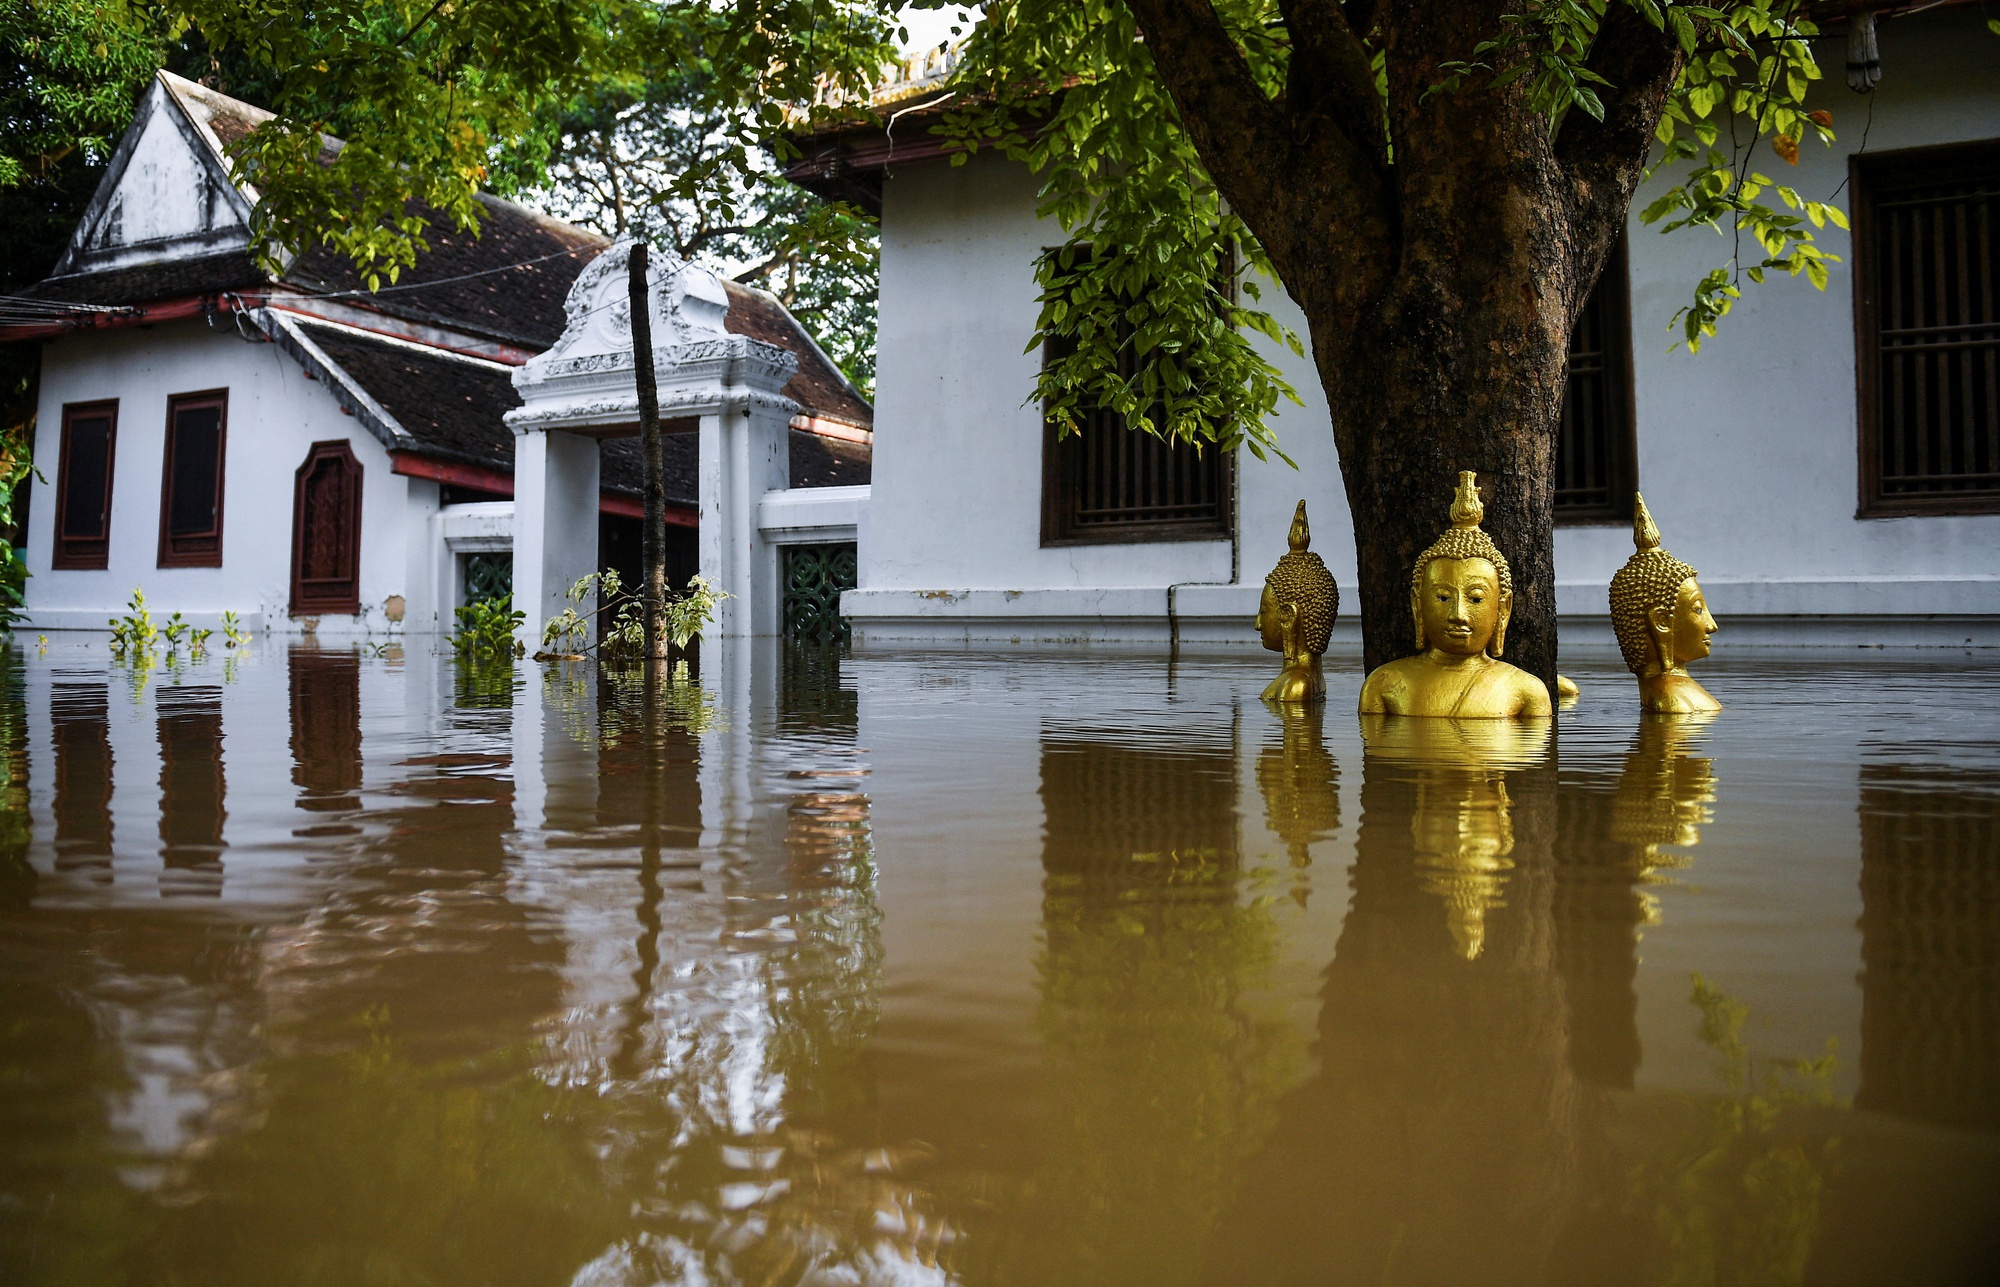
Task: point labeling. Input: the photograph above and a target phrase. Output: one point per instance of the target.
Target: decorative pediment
(585, 380)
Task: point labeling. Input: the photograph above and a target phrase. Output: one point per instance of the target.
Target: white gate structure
(582, 391)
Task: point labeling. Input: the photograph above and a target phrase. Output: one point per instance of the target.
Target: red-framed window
(191, 481)
(326, 532)
(83, 486)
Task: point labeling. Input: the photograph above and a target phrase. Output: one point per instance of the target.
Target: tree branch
(1605, 160)
(1332, 75)
(1290, 182)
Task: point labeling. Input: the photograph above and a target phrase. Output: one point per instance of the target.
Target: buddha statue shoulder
(1295, 617)
(1662, 622)
(1461, 596)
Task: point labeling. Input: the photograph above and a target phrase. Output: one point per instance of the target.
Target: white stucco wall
(275, 414)
(953, 540)
(1747, 452)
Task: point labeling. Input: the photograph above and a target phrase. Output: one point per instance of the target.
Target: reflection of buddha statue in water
(1662, 622)
(1664, 793)
(1461, 829)
(1461, 594)
(1300, 784)
(1295, 617)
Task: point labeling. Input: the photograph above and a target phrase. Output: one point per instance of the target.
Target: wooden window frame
(192, 549)
(84, 554)
(1865, 171)
(1613, 292)
(342, 453)
(1058, 528)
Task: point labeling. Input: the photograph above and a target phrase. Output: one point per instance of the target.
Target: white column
(745, 452)
(555, 521)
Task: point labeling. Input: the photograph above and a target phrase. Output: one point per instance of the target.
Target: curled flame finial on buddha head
(1662, 621)
(1295, 616)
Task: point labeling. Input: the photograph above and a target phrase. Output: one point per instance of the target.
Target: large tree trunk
(1439, 283)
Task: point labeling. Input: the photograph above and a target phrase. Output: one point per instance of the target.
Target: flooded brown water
(319, 967)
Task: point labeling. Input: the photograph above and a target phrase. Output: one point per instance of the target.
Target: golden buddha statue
(1295, 617)
(1662, 622)
(1461, 596)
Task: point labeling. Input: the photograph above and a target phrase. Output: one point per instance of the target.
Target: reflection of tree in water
(1163, 1079)
(17, 878)
(736, 1071)
(1443, 1139)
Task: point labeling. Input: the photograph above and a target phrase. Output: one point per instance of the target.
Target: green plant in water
(486, 629)
(233, 633)
(624, 638)
(135, 634)
(1737, 1204)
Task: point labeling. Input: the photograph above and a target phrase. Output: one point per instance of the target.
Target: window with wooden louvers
(326, 532)
(1595, 461)
(1108, 482)
(83, 486)
(1927, 314)
(191, 486)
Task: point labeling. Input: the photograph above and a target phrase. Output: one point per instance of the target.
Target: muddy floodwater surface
(1034, 968)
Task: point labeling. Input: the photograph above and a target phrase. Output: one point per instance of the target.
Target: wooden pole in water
(653, 593)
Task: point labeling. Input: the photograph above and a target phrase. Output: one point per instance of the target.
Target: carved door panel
(326, 532)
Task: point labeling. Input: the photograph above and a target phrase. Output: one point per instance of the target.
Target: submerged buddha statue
(1461, 596)
(1662, 622)
(1295, 617)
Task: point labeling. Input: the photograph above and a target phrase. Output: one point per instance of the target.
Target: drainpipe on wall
(1235, 572)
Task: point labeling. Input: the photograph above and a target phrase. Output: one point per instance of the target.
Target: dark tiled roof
(167, 279)
(523, 306)
(452, 407)
(829, 462)
(817, 386)
(620, 469)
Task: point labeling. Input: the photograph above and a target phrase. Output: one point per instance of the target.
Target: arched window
(326, 532)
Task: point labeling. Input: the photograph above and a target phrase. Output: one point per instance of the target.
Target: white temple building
(1831, 457)
(319, 458)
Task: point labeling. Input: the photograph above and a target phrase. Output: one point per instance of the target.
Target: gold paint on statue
(1662, 622)
(1463, 831)
(1461, 596)
(1295, 617)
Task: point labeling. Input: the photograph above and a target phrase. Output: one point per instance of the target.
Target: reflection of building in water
(80, 725)
(1300, 783)
(1166, 1080)
(193, 790)
(1930, 944)
(1610, 838)
(326, 729)
(1444, 1138)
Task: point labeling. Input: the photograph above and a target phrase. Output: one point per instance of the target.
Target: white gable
(166, 194)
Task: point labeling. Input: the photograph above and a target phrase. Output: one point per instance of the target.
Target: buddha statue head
(1662, 621)
(1461, 589)
(1295, 616)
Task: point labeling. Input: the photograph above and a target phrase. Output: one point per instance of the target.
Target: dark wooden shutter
(1595, 457)
(191, 482)
(1927, 329)
(326, 532)
(1111, 483)
(83, 486)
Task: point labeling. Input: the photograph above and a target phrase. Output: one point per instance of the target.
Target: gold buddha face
(1270, 620)
(1682, 632)
(1460, 607)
